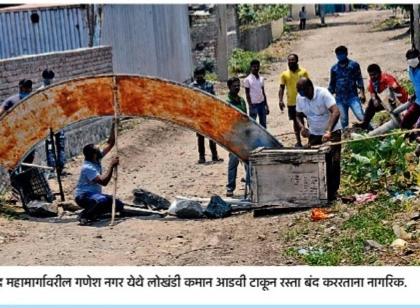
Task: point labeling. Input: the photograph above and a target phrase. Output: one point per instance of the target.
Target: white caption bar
(209, 285)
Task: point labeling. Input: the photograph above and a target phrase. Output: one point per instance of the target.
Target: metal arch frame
(67, 102)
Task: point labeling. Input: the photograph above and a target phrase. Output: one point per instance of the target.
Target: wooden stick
(414, 130)
(37, 166)
(116, 113)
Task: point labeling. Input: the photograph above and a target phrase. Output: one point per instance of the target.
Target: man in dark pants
(47, 78)
(238, 102)
(322, 114)
(412, 114)
(302, 18)
(88, 194)
(201, 83)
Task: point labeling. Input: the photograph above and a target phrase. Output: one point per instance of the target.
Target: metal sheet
(62, 104)
(58, 29)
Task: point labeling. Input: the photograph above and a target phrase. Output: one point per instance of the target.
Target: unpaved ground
(162, 158)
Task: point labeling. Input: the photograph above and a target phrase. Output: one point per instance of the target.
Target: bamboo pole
(116, 114)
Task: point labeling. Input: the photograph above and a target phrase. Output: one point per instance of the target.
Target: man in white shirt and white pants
(322, 114)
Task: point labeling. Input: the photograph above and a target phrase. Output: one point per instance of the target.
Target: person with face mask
(238, 102)
(25, 88)
(380, 84)
(289, 79)
(410, 117)
(88, 193)
(322, 114)
(345, 81)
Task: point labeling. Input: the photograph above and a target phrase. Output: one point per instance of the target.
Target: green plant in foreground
(379, 164)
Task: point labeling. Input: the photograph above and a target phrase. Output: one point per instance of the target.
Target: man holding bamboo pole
(88, 194)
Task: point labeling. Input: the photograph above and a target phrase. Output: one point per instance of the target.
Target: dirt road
(162, 158)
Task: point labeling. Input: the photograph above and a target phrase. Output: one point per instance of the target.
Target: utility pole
(221, 42)
(416, 26)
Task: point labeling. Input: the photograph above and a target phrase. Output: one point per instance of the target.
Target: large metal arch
(74, 100)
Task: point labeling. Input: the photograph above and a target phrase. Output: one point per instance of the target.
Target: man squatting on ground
(88, 194)
(238, 102)
(201, 83)
(289, 79)
(255, 94)
(381, 83)
(322, 113)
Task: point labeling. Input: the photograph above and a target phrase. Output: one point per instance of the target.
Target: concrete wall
(232, 29)
(277, 28)
(256, 38)
(66, 65)
(203, 37)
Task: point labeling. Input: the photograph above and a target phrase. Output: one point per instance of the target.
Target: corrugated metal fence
(41, 30)
(149, 39)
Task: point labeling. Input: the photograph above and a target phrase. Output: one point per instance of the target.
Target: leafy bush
(240, 60)
(408, 85)
(252, 14)
(378, 164)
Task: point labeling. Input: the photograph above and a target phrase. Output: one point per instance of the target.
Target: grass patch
(9, 212)
(391, 23)
(348, 245)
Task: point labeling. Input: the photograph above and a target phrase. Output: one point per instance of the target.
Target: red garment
(389, 81)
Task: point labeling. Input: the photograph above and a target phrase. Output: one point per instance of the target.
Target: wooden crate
(289, 177)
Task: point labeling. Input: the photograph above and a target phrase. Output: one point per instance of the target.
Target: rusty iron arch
(62, 104)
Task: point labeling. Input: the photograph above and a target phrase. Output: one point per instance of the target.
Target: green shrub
(408, 85)
(240, 60)
(254, 14)
(378, 164)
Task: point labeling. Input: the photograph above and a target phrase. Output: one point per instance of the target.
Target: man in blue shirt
(25, 88)
(88, 194)
(345, 81)
(412, 114)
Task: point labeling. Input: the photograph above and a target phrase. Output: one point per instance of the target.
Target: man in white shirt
(320, 109)
(255, 94)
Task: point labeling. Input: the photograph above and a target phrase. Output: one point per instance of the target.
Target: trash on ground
(365, 198)
(320, 214)
(42, 209)
(217, 208)
(186, 209)
(155, 202)
(402, 196)
(399, 243)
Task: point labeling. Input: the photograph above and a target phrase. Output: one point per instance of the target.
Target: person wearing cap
(25, 88)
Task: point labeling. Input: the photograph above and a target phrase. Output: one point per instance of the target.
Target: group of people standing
(322, 114)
